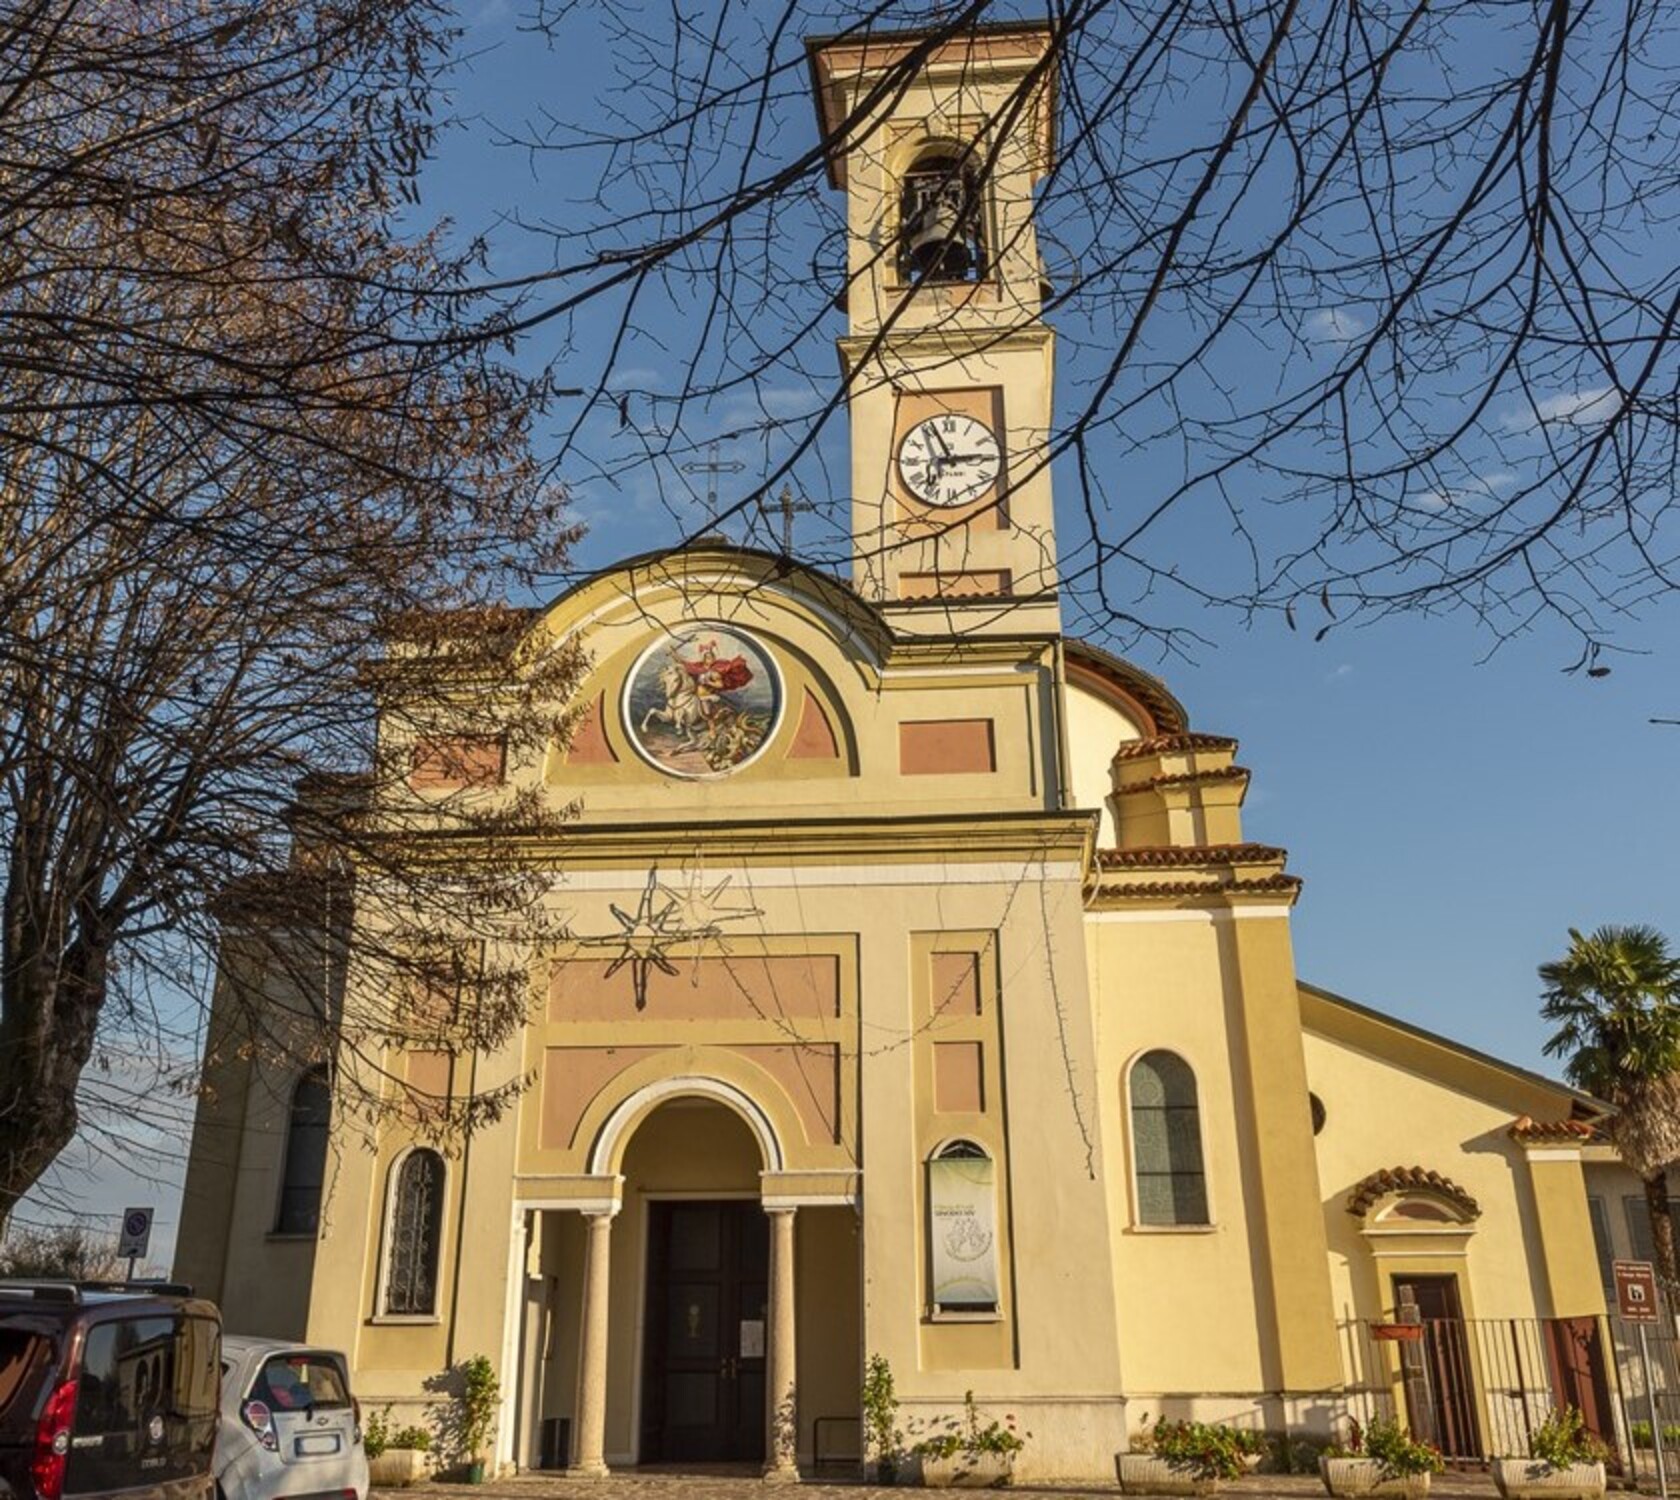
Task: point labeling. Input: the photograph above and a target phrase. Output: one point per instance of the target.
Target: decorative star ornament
(664, 918)
(644, 937)
(703, 912)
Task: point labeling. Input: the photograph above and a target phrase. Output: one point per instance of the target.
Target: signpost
(1636, 1303)
(136, 1235)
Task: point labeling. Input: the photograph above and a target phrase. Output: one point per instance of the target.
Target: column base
(587, 1471)
(781, 1473)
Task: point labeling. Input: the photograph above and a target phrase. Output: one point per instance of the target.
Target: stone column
(781, 1446)
(589, 1436)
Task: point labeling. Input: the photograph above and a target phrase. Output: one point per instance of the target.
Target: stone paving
(744, 1484)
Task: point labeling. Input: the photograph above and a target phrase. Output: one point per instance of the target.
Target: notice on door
(961, 1200)
(752, 1338)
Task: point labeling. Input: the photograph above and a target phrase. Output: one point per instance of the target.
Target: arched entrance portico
(678, 1279)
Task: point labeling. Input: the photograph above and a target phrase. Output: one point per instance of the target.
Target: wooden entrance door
(703, 1376)
(1440, 1385)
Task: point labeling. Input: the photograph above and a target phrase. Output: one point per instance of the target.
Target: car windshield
(300, 1382)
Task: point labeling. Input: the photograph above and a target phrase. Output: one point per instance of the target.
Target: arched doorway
(691, 1176)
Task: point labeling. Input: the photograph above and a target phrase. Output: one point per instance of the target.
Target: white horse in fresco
(696, 717)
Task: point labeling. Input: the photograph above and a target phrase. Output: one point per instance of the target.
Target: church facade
(919, 996)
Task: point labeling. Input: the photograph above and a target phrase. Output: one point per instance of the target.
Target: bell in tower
(940, 214)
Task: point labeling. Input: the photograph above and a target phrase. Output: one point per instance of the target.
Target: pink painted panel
(956, 984)
(451, 762)
(958, 1080)
(943, 747)
(814, 738)
(811, 1075)
(589, 744)
(707, 989)
(571, 1078)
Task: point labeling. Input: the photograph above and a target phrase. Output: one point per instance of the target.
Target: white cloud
(1481, 487)
(1340, 673)
(1335, 325)
(1583, 408)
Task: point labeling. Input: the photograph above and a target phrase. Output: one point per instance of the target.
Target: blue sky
(1453, 812)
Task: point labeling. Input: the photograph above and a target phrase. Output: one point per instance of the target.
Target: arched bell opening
(942, 220)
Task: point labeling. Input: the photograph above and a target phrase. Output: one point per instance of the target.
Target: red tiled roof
(1409, 1180)
(1526, 1128)
(1182, 778)
(1166, 744)
(1266, 885)
(1175, 856)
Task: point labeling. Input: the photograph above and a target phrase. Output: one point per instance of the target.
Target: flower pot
(1532, 1479)
(1145, 1474)
(475, 1471)
(1365, 1476)
(397, 1468)
(969, 1471)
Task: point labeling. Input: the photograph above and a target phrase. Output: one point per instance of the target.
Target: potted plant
(481, 1393)
(1382, 1459)
(968, 1455)
(1565, 1462)
(1182, 1458)
(1255, 1447)
(397, 1457)
(883, 1442)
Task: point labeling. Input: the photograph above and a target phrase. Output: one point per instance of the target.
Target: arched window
(942, 226)
(962, 1229)
(1167, 1141)
(411, 1272)
(305, 1167)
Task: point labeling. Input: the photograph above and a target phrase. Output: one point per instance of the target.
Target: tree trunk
(1662, 1227)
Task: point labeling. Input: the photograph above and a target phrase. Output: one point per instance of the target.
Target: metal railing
(1479, 1387)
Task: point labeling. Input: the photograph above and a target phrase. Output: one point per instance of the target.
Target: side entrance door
(703, 1361)
(1440, 1385)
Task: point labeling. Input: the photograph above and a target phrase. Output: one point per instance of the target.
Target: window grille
(416, 1235)
(1167, 1141)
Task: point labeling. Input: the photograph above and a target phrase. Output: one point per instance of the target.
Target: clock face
(950, 459)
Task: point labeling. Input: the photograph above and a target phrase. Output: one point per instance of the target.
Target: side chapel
(971, 1034)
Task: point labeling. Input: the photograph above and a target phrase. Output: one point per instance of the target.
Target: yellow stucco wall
(1381, 1113)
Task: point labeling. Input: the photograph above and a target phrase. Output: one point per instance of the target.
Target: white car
(290, 1428)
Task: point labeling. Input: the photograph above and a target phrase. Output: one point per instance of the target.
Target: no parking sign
(136, 1232)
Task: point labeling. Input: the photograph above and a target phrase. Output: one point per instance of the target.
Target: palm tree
(1615, 997)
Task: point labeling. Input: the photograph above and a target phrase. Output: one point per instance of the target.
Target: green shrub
(969, 1439)
(481, 1394)
(1640, 1432)
(1394, 1448)
(1563, 1440)
(882, 1438)
(1213, 1452)
(378, 1436)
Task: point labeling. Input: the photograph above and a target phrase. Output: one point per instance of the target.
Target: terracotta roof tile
(1266, 885)
(1176, 856)
(1409, 1180)
(1526, 1128)
(1166, 744)
(1181, 778)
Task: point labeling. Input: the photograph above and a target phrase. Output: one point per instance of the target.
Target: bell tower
(938, 145)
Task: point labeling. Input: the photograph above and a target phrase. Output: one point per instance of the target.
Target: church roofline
(1149, 691)
(1589, 1107)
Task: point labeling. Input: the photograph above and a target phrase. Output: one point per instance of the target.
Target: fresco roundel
(702, 701)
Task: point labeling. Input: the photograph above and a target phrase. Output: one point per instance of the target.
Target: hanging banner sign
(962, 1213)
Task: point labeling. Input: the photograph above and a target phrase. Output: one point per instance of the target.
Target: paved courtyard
(742, 1484)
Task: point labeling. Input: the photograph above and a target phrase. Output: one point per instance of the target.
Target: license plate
(313, 1444)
